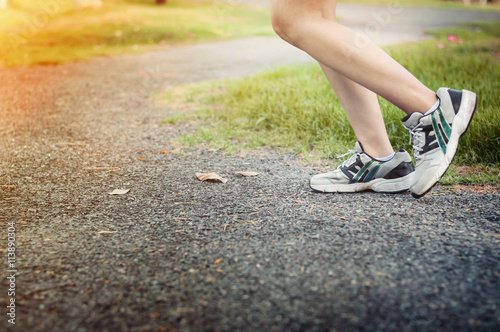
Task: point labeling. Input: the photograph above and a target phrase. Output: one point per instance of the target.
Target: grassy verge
(294, 108)
(31, 32)
(34, 32)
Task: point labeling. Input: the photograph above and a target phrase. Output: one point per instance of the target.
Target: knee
(294, 25)
(283, 25)
(290, 28)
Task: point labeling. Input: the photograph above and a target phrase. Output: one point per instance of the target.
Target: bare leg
(363, 111)
(360, 104)
(306, 24)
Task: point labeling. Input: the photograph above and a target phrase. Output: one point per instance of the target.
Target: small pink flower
(452, 38)
(441, 46)
(460, 41)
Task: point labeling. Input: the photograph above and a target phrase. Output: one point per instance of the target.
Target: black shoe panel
(456, 99)
(353, 169)
(428, 138)
(401, 170)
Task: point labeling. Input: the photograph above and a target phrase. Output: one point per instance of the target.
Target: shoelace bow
(418, 140)
(351, 159)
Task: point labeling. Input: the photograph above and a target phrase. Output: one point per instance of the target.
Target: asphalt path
(257, 253)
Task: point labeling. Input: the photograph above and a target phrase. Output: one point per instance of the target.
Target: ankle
(387, 158)
(434, 107)
(378, 151)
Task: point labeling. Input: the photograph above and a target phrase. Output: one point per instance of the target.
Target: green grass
(30, 35)
(294, 108)
(471, 175)
(32, 32)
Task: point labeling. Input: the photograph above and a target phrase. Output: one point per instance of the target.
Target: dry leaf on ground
(247, 173)
(119, 192)
(210, 177)
(106, 232)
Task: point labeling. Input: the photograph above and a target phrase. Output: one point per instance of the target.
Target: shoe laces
(417, 137)
(349, 161)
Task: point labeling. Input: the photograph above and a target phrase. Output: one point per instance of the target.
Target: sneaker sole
(392, 186)
(460, 126)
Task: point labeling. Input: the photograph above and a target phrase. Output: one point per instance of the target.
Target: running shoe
(361, 172)
(435, 136)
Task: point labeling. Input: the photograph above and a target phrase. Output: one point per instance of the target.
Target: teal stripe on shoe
(361, 171)
(444, 124)
(372, 173)
(437, 131)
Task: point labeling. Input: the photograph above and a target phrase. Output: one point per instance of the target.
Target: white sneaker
(362, 172)
(435, 136)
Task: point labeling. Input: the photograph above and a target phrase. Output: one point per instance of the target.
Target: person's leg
(435, 131)
(304, 24)
(360, 104)
(435, 135)
(361, 171)
(363, 112)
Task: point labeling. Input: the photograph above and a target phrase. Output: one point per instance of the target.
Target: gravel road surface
(257, 253)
